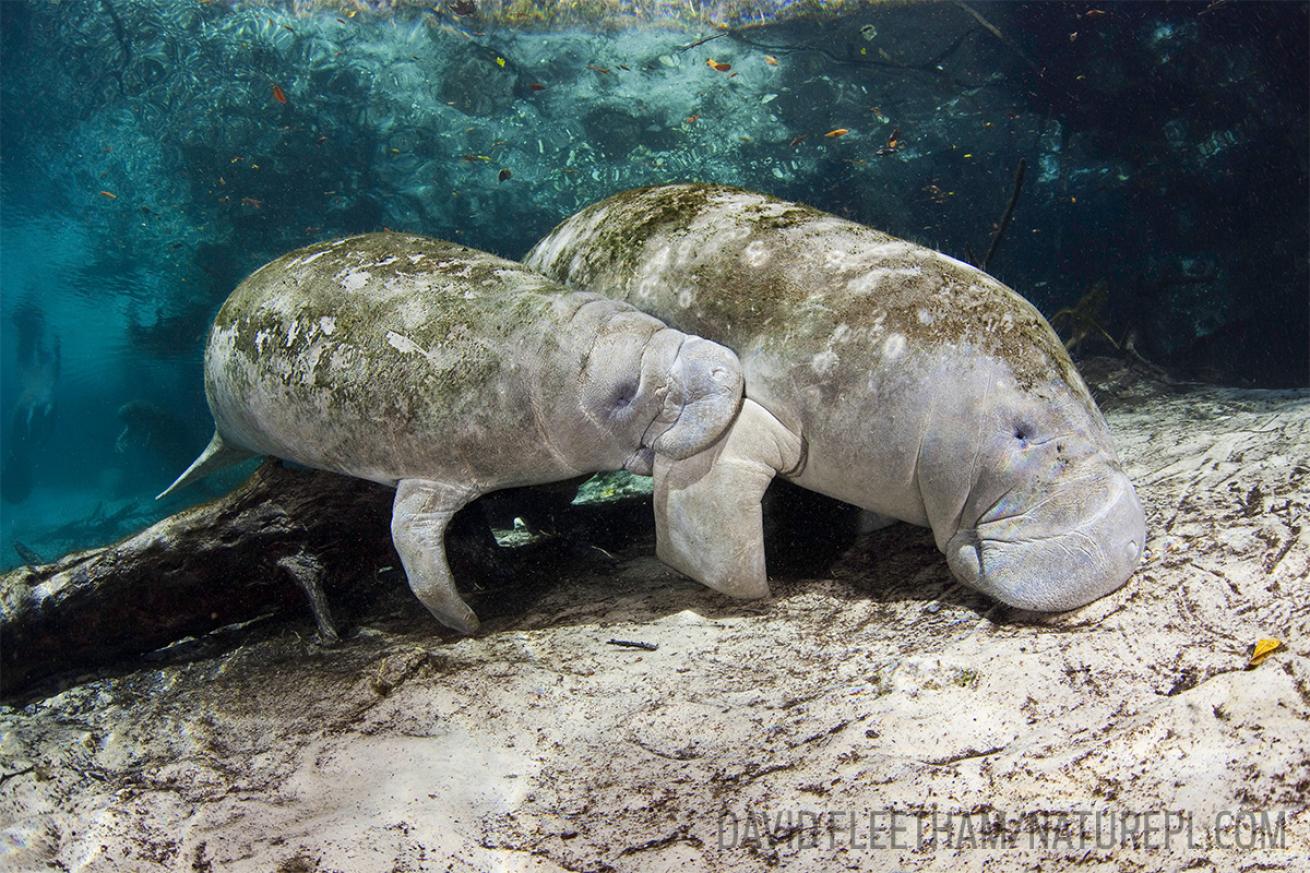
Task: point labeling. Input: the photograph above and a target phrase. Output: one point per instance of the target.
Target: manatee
(878, 372)
(448, 373)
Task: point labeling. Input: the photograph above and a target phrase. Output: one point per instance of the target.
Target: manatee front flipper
(708, 520)
(419, 517)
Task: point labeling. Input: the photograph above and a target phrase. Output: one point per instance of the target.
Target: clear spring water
(155, 152)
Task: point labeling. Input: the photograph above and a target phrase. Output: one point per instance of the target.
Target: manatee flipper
(216, 456)
(708, 520)
(419, 516)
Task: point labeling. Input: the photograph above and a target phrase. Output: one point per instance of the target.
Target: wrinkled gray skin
(878, 372)
(448, 373)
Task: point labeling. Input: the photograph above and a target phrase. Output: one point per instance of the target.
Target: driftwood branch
(996, 32)
(1008, 214)
(257, 550)
(284, 542)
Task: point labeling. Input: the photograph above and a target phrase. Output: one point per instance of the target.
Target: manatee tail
(216, 456)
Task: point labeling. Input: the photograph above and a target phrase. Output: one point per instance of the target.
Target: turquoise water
(154, 153)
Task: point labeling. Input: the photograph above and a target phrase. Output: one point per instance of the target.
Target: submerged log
(259, 549)
(286, 541)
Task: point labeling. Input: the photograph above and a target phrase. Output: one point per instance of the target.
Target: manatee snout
(705, 387)
(1064, 552)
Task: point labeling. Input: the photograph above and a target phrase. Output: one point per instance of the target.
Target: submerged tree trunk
(281, 542)
(260, 549)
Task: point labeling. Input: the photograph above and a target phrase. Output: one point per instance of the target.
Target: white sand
(537, 746)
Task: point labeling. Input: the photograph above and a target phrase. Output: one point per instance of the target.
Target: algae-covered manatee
(878, 372)
(448, 373)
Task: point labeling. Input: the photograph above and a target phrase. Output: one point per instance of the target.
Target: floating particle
(279, 95)
(692, 119)
(598, 69)
(868, 31)
(718, 65)
(771, 60)
(109, 195)
(500, 62)
(536, 86)
(836, 132)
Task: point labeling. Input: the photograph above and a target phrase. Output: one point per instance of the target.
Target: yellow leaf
(500, 62)
(1261, 650)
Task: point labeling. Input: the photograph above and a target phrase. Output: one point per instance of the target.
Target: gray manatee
(878, 372)
(448, 373)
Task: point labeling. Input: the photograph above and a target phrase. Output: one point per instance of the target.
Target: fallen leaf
(836, 132)
(771, 60)
(109, 195)
(718, 65)
(1262, 649)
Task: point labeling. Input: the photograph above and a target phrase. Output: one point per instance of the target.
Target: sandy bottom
(877, 718)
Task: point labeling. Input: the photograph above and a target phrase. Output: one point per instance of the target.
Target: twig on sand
(634, 644)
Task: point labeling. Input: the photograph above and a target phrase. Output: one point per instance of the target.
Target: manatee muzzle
(1068, 550)
(704, 394)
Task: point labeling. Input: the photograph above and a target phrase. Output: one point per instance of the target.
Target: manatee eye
(623, 396)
